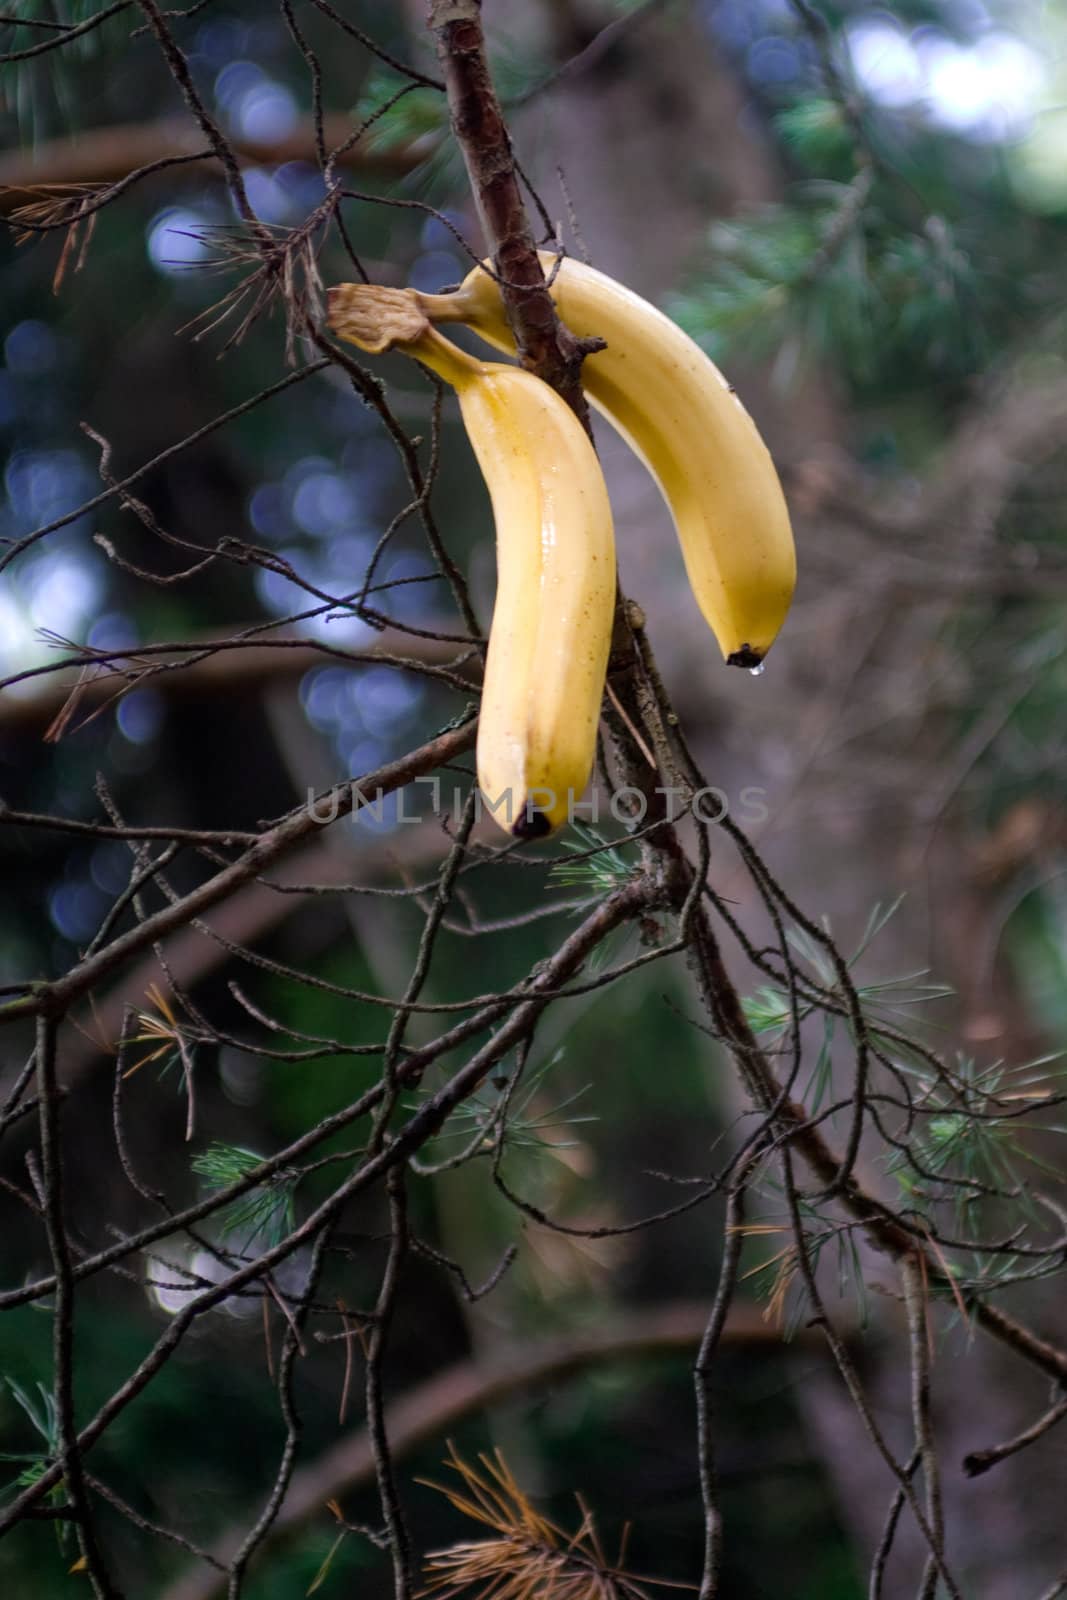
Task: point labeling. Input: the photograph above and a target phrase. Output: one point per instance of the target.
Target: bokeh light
(257, 107)
(986, 89)
(175, 239)
(31, 349)
(140, 715)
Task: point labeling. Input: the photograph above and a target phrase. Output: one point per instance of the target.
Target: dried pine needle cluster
(530, 1558)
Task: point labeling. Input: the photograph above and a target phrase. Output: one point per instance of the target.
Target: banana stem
(378, 319)
(454, 307)
(443, 357)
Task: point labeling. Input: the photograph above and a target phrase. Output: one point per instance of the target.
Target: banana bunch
(555, 599)
(673, 407)
(552, 622)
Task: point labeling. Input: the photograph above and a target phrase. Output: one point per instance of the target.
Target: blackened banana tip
(531, 825)
(745, 657)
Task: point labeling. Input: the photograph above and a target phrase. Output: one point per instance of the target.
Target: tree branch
(243, 918)
(274, 844)
(544, 344)
(222, 666)
(885, 1231)
(429, 1410)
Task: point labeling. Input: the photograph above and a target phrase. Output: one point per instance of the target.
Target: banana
(555, 598)
(676, 410)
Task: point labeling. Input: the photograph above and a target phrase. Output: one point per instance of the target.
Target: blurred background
(860, 211)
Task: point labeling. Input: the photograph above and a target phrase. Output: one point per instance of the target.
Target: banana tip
(745, 657)
(531, 825)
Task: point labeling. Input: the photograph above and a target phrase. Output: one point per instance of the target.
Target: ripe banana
(676, 410)
(555, 598)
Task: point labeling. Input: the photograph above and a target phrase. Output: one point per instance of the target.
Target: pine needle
(530, 1558)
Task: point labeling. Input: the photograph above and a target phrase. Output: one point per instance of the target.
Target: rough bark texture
(545, 346)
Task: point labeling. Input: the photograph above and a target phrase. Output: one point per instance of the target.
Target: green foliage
(403, 112)
(884, 1003)
(1035, 944)
(73, 13)
(512, 1112)
(42, 1416)
(265, 1214)
(963, 1145)
(972, 1136)
(778, 1279)
(400, 115)
(817, 134)
(42, 92)
(328, 1560)
(831, 277)
(517, 71)
(599, 866)
(598, 869)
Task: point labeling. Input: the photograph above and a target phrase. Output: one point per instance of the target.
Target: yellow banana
(555, 598)
(677, 411)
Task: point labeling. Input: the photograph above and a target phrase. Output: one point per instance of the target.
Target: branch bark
(544, 344)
